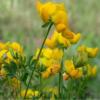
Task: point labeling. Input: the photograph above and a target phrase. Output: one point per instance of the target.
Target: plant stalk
(61, 78)
(38, 58)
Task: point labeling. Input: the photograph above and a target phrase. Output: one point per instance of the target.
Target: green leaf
(24, 77)
(29, 61)
(12, 52)
(11, 68)
(47, 24)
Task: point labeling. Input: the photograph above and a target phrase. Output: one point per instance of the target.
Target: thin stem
(59, 84)
(38, 58)
(61, 78)
(40, 84)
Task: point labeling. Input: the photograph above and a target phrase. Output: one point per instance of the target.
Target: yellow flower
(94, 70)
(30, 93)
(3, 55)
(47, 52)
(36, 54)
(53, 39)
(74, 73)
(91, 71)
(57, 54)
(51, 10)
(2, 45)
(54, 69)
(46, 74)
(46, 62)
(82, 48)
(7, 46)
(80, 73)
(51, 70)
(57, 14)
(2, 72)
(50, 43)
(16, 47)
(75, 38)
(57, 40)
(46, 10)
(65, 76)
(60, 17)
(71, 70)
(54, 36)
(9, 56)
(60, 27)
(50, 57)
(52, 53)
(69, 66)
(68, 34)
(15, 83)
(63, 41)
(54, 90)
(92, 52)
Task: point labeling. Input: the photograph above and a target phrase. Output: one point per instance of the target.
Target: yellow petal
(69, 66)
(92, 52)
(75, 38)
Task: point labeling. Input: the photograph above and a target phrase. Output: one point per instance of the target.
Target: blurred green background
(19, 21)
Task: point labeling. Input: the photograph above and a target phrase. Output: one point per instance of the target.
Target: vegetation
(66, 63)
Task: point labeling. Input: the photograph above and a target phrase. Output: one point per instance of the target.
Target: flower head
(57, 14)
(91, 52)
(30, 93)
(71, 70)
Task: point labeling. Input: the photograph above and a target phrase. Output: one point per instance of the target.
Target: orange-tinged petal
(60, 27)
(94, 70)
(68, 34)
(74, 73)
(65, 76)
(50, 43)
(60, 17)
(46, 74)
(69, 66)
(39, 5)
(75, 38)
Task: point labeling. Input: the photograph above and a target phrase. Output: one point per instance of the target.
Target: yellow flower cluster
(71, 70)
(50, 58)
(61, 38)
(91, 70)
(57, 40)
(91, 52)
(2, 72)
(30, 93)
(6, 56)
(57, 14)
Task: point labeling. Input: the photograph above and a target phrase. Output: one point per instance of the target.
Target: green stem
(59, 84)
(38, 58)
(40, 84)
(61, 78)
